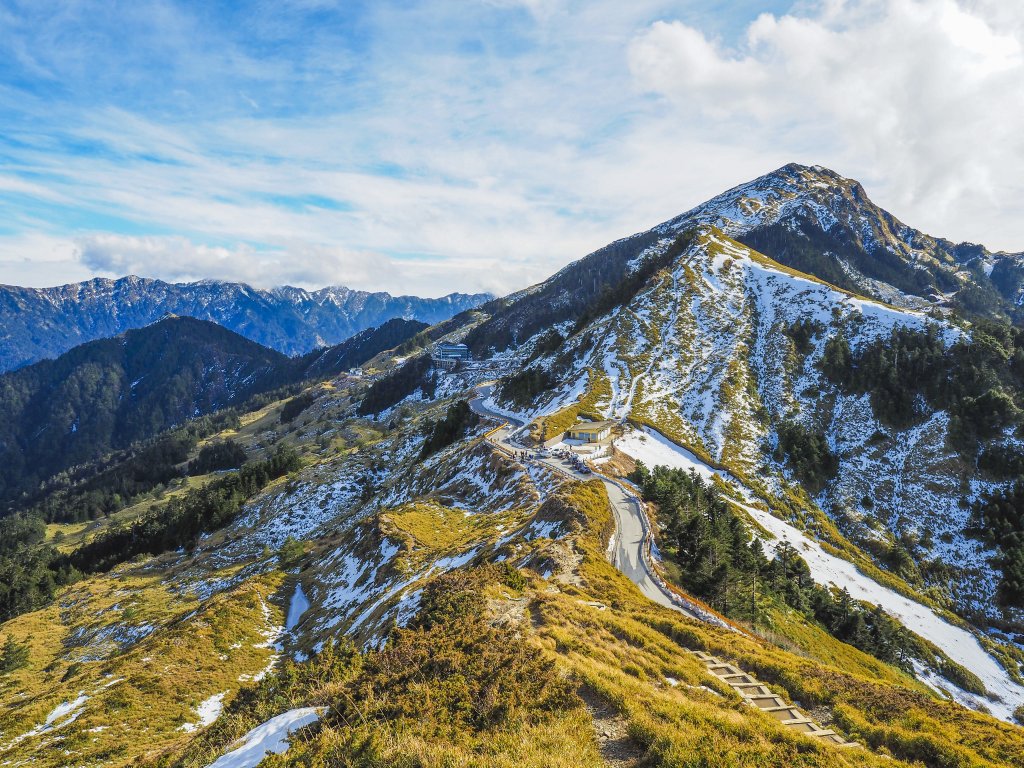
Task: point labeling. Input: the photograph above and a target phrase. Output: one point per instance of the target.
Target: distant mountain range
(41, 323)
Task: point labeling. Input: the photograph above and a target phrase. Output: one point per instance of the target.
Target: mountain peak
(815, 220)
(769, 198)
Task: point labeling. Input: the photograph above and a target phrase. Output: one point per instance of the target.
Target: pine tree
(836, 360)
(14, 655)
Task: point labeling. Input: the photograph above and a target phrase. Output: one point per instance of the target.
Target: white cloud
(923, 100)
(178, 259)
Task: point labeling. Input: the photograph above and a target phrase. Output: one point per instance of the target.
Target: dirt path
(611, 730)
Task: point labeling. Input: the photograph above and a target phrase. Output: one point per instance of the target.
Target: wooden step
(822, 733)
(803, 725)
(744, 679)
(755, 689)
(800, 719)
(784, 714)
(776, 700)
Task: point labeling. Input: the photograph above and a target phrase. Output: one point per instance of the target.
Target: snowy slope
(269, 738)
(702, 354)
(828, 569)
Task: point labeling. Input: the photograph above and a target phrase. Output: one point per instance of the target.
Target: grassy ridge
(459, 689)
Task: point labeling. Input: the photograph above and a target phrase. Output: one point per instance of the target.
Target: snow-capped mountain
(817, 221)
(703, 354)
(721, 349)
(44, 322)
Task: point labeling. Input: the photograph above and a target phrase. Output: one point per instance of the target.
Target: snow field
(959, 644)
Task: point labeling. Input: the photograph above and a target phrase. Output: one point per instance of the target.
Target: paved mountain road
(629, 544)
(630, 535)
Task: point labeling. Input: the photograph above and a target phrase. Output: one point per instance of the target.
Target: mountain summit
(815, 220)
(808, 218)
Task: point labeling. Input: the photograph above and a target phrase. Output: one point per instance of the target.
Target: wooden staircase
(757, 694)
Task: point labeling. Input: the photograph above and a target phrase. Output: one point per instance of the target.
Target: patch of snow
(547, 529)
(299, 605)
(62, 715)
(654, 450)
(69, 711)
(271, 635)
(270, 738)
(208, 712)
(407, 607)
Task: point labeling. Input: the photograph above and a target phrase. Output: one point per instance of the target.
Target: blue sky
(475, 144)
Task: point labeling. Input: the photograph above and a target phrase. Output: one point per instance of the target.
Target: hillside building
(590, 431)
(453, 352)
(448, 357)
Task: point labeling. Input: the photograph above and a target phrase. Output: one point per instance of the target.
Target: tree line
(458, 420)
(722, 564)
(1000, 522)
(31, 570)
(415, 373)
(105, 486)
(912, 373)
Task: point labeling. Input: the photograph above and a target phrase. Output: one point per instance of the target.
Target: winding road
(630, 523)
(629, 553)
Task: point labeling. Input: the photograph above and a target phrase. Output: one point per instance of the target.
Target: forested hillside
(106, 395)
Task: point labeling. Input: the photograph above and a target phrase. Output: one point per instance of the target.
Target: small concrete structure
(590, 431)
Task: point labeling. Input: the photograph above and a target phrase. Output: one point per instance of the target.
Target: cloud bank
(924, 98)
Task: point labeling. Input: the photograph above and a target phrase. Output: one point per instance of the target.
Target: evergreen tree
(13, 656)
(291, 553)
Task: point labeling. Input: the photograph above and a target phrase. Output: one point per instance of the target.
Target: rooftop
(591, 426)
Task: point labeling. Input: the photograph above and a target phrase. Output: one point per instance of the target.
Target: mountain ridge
(40, 323)
(796, 209)
(108, 393)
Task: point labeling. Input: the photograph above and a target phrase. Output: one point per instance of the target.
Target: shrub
(812, 461)
(291, 553)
